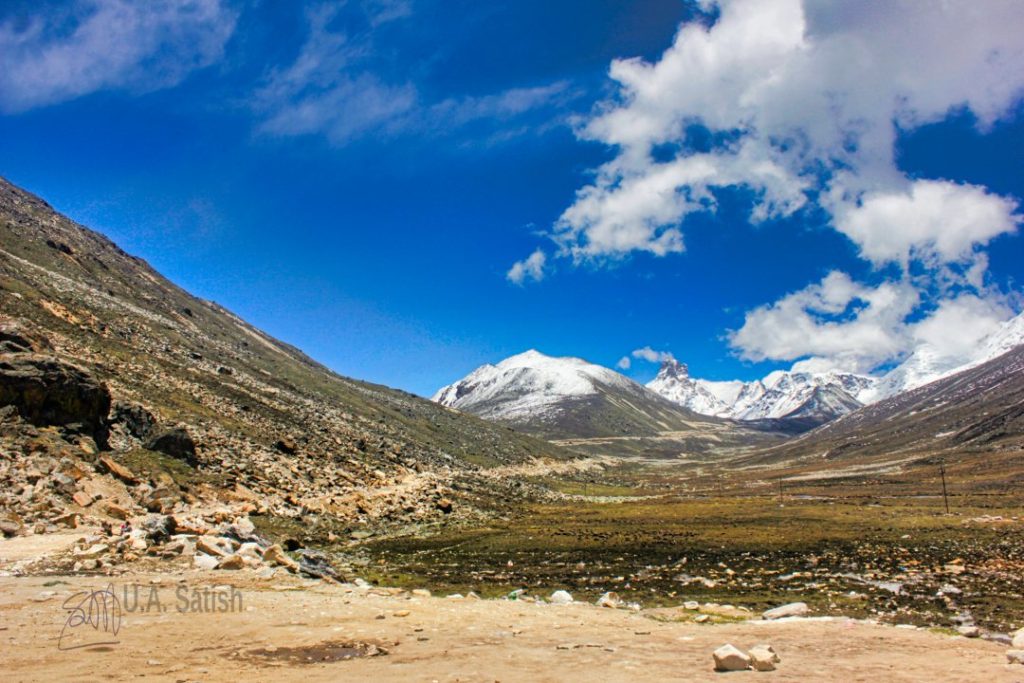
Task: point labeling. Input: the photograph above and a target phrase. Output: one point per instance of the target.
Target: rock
(691, 605)
(69, 519)
(275, 555)
(764, 658)
(793, 609)
(560, 598)
(16, 337)
(211, 545)
(610, 600)
(729, 658)
(445, 506)
(10, 524)
(177, 443)
(135, 419)
(316, 564)
(233, 562)
(1018, 640)
(1015, 656)
(287, 445)
(93, 552)
(82, 498)
(63, 483)
(421, 593)
(108, 464)
(243, 529)
(47, 391)
(969, 631)
(200, 561)
(115, 510)
(158, 528)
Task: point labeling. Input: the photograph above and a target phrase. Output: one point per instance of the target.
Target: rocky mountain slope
(973, 419)
(806, 399)
(571, 400)
(99, 352)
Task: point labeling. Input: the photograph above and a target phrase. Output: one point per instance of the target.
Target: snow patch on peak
(529, 383)
(821, 395)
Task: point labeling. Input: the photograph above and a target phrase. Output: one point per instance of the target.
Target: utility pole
(945, 495)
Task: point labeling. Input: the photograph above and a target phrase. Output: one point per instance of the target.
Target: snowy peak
(529, 384)
(927, 364)
(674, 383)
(812, 397)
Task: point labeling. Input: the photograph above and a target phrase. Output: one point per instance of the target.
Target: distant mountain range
(569, 398)
(563, 397)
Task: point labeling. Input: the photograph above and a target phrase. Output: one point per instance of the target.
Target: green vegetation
(886, 558)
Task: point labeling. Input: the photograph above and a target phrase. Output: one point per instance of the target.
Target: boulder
(793, 609)
(231, 562)
(729, 658)
(764, 658)
(211, 545)
(1018, 640)
(115, 468)
(287, 445)
(610, 600)
(560, 598)
(200, 561)
(1015, 656)
(16, 337)
(276, 556)
(47, 391)
(177, 443)
(135, 419)
(969, 631)
(10, 524)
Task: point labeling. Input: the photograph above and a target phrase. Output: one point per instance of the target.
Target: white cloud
(109, 44)
(840, 324)
(854, 326)
(802, 102)
(624, 363)
(800, 97)
(651, 356)
(331, 89)
(933, 221)
(530, 268)
(954, 329)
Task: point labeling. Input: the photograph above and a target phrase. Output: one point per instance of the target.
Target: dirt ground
(283, 630)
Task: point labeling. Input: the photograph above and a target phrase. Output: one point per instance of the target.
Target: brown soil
(312, 631)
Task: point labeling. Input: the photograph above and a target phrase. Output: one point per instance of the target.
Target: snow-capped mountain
(812, 397)
(927, 364)
(565, 398)
(708, 398)
(529, 385)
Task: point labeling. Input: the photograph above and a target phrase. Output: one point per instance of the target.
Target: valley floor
(294, 630)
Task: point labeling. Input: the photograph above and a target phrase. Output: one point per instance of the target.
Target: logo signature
(99, 610)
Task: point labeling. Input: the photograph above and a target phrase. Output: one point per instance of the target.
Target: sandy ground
(433, 639)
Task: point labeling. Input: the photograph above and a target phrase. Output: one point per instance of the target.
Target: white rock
(793, 609)
(729, 658)
(1015, 656)
(560, 598)
(969, 631)
(764, 658)
(610, 599)
(203, 561)
(1018, 640)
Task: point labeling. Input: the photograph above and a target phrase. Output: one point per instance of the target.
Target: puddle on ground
(319, 653)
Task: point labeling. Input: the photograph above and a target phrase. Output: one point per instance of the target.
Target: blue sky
(359, 178)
